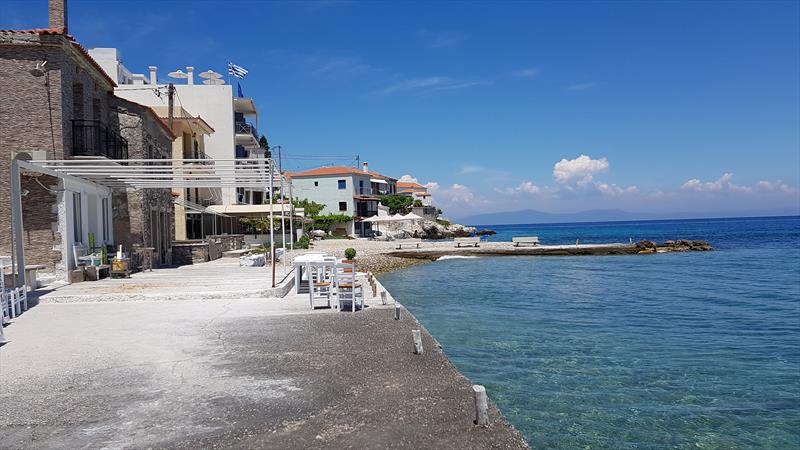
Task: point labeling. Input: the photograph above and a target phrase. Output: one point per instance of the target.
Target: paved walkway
(236, 373)
(221, 278)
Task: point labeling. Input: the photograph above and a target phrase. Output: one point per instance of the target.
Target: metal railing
(246, 128)
(92, 138)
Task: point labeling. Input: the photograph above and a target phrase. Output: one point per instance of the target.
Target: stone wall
(36, 113)
(218, 244)
(189, 252)
(144, 217)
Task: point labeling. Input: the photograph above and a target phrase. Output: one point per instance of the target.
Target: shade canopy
(412, 216)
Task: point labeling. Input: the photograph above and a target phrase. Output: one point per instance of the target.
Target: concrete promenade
(232, 373)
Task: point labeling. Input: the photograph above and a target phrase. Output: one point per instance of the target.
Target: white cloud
(408, 179)
(526, 187)
(777, 186)
(429, 84)
(580, 169)
(470, 169)
(723, 184)
(530, 72)
(613, 189)
(456, 193)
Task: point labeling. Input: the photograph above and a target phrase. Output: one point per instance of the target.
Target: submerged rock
(486, 232)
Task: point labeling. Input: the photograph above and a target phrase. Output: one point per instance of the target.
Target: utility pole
(170, 103)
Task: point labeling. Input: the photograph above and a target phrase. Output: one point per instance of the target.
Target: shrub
(303, 242)
(350, 253)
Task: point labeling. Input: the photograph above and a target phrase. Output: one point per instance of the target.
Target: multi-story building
(233, 118)
(415, 191)
(345, 190)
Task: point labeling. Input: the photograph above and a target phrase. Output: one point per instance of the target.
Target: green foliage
(418, 203)
(257, 225)
(325, 222)
(312, 209)
(398, 204)
(303, 242)
(350, 253)
(443, 222)
(265, 145)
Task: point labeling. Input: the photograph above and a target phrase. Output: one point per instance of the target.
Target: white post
(271, 218)
(396, 311)
(417, 341)
(283, 231)
(481, 405)
(291, 219)
(16, 214)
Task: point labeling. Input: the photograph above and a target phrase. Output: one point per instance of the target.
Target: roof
(180, 114)
(75, 44)
(409, 185)
(336, 170)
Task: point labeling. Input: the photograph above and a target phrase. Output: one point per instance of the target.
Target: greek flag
(237, 71)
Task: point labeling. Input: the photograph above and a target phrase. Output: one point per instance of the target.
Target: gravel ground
(371, 256)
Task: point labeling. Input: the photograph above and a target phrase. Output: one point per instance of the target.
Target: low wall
(197, 251)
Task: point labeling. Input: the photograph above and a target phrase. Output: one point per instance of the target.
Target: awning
(378, 180)
(255, 210)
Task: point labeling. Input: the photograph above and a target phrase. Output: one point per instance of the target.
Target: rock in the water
(486, 232)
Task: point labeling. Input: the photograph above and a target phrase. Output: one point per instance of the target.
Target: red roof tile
(336, 170)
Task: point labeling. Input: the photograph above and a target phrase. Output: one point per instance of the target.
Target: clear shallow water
(689, 350)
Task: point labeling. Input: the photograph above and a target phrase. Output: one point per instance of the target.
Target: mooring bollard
(481, 405)
(396, 311)
(417, 341)
(383, 297)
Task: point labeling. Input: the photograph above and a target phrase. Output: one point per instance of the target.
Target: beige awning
(255, 210)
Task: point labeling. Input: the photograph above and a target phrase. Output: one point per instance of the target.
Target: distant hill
(598, 215)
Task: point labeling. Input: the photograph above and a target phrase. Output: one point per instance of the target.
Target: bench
(467, 241)
(408, 242)
(533, 240)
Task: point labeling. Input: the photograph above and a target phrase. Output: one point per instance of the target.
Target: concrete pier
(436, 250)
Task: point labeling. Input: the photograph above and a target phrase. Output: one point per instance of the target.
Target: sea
(665, 351)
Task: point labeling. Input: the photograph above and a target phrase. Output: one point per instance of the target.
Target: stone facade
(37, 108)
(144, 217)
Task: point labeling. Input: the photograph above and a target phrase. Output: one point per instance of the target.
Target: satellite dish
(178, 74)
(213, 81)
(210, 74)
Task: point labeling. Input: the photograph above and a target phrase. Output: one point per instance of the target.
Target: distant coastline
(467, 222)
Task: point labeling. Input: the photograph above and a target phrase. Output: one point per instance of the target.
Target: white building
(211, 99)
(344, 190)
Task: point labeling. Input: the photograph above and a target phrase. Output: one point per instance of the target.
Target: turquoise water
(684, 350)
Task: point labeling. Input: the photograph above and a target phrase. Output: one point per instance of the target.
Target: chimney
(365, 166)
(190, 72)
(58, 15)
(153, 76)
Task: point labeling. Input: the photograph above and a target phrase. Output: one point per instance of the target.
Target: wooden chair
(348, 289)
(320, 281)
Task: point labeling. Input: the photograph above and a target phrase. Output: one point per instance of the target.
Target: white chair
(5, 308)
(320, 281)
(348, 289)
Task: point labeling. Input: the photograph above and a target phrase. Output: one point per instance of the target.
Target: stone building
(144, 217)
(56, 102)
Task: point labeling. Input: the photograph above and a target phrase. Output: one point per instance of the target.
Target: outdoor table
(299, 262)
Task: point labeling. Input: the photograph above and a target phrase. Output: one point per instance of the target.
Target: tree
(265, 145)
(398, 204)
(312, 209)
(418, 203)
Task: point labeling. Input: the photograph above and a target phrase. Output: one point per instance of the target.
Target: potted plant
(349, 255)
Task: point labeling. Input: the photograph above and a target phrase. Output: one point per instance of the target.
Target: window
(316, 183)
(342, 184)
(77, 222)
(342, 206)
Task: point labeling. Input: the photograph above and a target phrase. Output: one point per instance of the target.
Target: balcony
(246, 134)
(92, 138)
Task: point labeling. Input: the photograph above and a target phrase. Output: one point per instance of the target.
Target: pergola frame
(261, 173)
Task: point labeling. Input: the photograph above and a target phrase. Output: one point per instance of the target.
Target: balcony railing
(246, 128)
(92, 138)
(365, 191)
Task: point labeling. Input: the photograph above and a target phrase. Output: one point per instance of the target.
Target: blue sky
(556, 106)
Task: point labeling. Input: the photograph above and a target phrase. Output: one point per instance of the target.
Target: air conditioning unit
(35, 155)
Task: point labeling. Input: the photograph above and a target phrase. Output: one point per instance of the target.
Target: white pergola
(260, 173)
